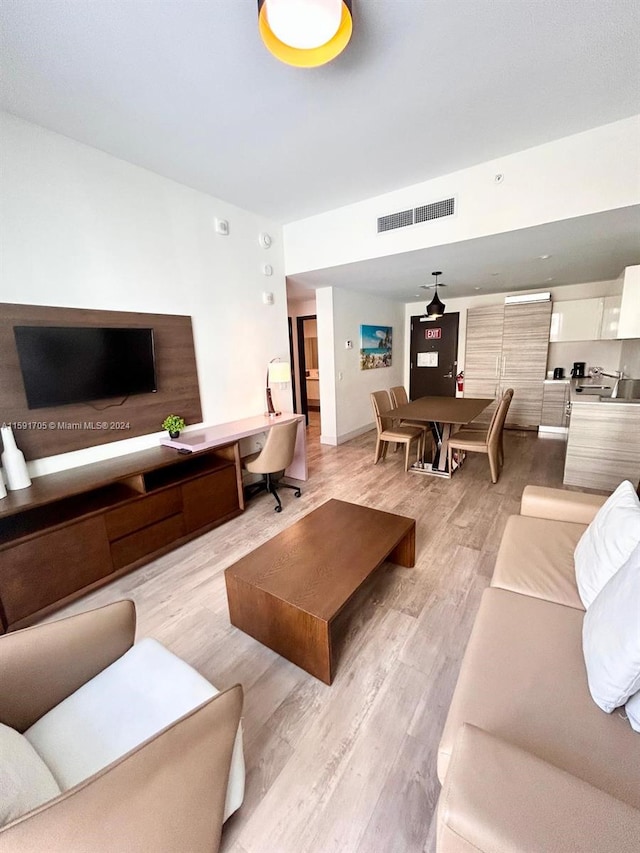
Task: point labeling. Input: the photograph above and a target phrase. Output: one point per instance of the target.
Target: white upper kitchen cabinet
(629, 325)
(586, 320)
(610, 318)
(576, 320)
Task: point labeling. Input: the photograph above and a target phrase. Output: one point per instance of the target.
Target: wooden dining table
(445, 415)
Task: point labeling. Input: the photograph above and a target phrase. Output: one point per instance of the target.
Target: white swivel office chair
(271, 461)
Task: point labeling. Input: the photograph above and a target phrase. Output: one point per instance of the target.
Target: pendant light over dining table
(305, 33)
(435, 309)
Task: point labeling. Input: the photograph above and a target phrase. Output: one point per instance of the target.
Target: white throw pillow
(607, 542)
(130, 701)
(25, 780)
(611, 638)
(633, 711)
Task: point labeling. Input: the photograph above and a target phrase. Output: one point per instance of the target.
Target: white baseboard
(346, 436)
(328, 439)
(549, 430)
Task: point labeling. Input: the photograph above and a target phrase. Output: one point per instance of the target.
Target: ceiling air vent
(435, 210)
(395, 220)
(424, 213)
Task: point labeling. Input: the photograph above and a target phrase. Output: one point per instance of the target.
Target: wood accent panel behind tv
(176, 374)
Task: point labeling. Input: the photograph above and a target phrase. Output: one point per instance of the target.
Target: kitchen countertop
(595, 396)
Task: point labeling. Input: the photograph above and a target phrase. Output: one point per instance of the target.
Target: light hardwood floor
(350, 767)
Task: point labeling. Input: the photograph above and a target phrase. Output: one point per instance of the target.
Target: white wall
(80, 228)
(581, 174)
(344, 389)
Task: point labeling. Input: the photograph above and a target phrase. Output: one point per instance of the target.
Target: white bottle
(15, 468)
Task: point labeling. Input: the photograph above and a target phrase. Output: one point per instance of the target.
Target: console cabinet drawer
(47, 568)
(143, 512)
(210, 498)
(152, 538)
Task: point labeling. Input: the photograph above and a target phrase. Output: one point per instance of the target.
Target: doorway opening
(308, 371)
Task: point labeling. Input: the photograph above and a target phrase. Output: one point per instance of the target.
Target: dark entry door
(434, 354)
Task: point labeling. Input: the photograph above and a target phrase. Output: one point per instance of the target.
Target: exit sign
(432, 334)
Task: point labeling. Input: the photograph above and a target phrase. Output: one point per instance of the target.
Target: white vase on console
(15, 468)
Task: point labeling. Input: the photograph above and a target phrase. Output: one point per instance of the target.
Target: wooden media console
(76, 530)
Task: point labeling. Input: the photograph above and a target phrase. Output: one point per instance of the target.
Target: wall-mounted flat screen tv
(73, 364)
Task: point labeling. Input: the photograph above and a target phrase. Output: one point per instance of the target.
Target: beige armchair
(167, 793)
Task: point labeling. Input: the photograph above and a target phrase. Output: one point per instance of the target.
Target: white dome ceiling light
(305, 33)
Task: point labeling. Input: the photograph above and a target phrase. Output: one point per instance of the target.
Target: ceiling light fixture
(435, 309)
(305, 33)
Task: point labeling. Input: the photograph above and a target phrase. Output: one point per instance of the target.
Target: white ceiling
(186, 88)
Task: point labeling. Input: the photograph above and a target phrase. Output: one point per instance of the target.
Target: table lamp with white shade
(278, 371)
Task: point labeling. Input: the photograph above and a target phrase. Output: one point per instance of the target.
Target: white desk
(235, 430)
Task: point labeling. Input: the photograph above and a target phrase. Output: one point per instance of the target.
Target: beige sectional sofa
(527, 760)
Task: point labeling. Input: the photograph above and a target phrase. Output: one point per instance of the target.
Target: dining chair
(399, 398)
(489, 442)
(508, 396)
(389, 431)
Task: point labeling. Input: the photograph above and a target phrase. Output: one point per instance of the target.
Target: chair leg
(427, 445)
(296, 489)
(494, 467)
(378, 453)
(406, 455)
(385, 447)
(272, 490)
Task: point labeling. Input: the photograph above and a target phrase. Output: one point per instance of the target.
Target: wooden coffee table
(289, 591)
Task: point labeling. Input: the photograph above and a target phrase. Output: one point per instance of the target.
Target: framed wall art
(375, 347)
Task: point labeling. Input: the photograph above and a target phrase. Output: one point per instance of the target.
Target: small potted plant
(173, 424)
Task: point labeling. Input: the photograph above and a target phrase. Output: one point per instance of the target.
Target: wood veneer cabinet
(77, 530)
(603, 446)
(506, 347)
(554, 405)
(484, 343)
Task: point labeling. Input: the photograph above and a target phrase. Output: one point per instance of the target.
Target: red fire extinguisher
(460, 380)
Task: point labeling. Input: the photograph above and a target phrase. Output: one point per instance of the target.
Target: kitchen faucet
(617, 375)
